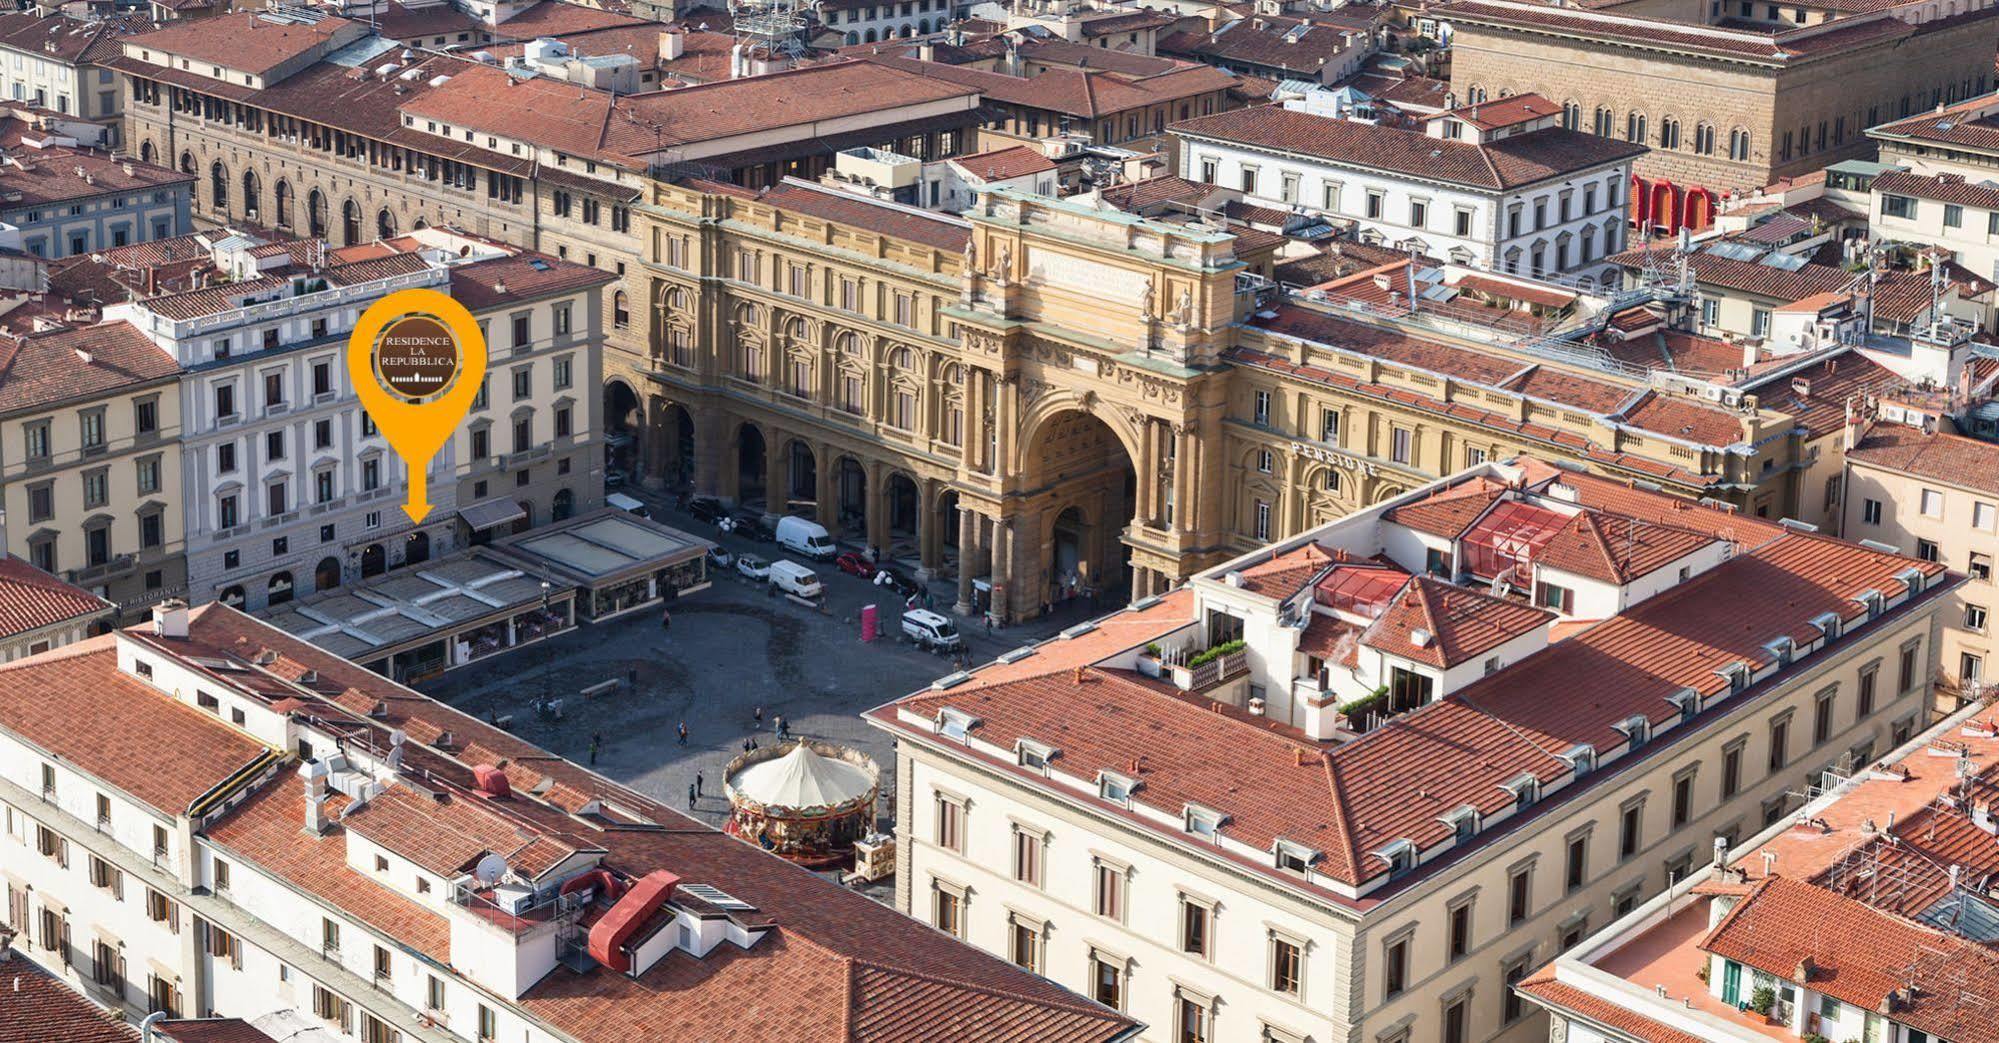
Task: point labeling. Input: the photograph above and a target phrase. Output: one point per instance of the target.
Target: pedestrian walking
(697, 783)
(783, 729)
(760, 717)
(632, 678)
(690, 796)
(753, 744)
(683, 733)
(665, 623)
(593, 752)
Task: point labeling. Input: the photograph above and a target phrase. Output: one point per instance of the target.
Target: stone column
(929, 535)
(1003, 421)
(827, 493)
(1003, 578)
(876, 508)
(1148, 474)
(1183, 455)
(968, 539)
(709, 453)
(777, 473)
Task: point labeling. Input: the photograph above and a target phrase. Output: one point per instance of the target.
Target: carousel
(806, 802)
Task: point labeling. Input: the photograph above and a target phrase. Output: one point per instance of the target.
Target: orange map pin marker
(417, 360)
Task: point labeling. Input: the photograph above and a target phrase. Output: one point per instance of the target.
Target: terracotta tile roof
(1751, 277)
(419, 26)
(1682, 418)
(1463, 624)
(1503, 112)
(1000, 164)
(1970, 123)
(66, 39)
(1448, 512)
(449, 833)
(1816, 396)
(47, 369)
(1570, 389)
(1861, 955)
(36, 1008)
(1549, 296)
(1524, 159)
(211, 1030)
(554, 18)
(917, 226)
(1940, 457)
(1601, 1012)
(1615, 549)
(251, 43)
(1293, 45)
(1085, 93)
(58, 173)
(1621, 497)
(1415, 92)
(31, 599)
(837, 965)
(1140, 196)
(1282, 576)
(1394, 782)
(179, 755)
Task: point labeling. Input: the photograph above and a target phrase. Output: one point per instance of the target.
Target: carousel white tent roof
(803, 778)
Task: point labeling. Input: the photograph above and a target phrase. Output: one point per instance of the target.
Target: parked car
(752, 566)
(707, 509)
(613, 478)
(806, 537)
(793, 578)
(854, 563)
(887, 576)
(720, 558)
(752, 525)
(931, 630)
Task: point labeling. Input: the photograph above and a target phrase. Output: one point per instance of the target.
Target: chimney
(671, 46)
(314, 775)
(170, 619)
(926, 51)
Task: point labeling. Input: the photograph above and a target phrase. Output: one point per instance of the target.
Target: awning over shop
(492, 512)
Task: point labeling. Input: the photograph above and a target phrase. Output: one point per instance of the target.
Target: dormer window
(1115, 788)
(1912, 578)
(1737, 675)
(1637, 730)
(1687, 701)
(1034, 756)
(1874, 602)
(1205, 823)
(1828, 624)
(1526, 789)
(1463, 821)
(955, 724)
(1400, 856)
(1582, 759)
(1781, 650)
(1294, 858)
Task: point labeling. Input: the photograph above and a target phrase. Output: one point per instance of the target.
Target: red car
(854, 563)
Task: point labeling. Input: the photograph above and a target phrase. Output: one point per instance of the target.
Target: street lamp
(546, 664)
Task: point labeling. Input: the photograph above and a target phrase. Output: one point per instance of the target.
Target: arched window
(253, 196)
(187, 162)
(899, 358)
(1669, 133)
(281, 204)
(385, 224)
(853, 38)
(1738, 144)
(1606, 121)
(871, 36)
(621, 311)
(315, 214)
(1572, 115)
(1634, 127)
(279, 590)
(1588, 244)
(1704, 139)
(327, 575)
(350, 223)
(146, 152)
(218, 186)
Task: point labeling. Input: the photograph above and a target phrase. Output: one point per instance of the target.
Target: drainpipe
(146, 1025)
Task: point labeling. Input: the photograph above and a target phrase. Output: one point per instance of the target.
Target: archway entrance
(804, 474)
(416, 549)
(1074, 551)
(902, 503)
(749, 464)
(621, 406)
(279, 590)
(374, 560)
(326, 575)
(850, 494)
(564, 505)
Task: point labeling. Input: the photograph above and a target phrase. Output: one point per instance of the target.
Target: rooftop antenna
(767, 31)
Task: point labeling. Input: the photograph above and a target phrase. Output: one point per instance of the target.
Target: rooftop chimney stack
(314, 775)
(170, 619)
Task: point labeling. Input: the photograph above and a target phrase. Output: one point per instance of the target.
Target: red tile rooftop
(1667, 956)
(36, 1008)
(31, 599)
(1941, 457)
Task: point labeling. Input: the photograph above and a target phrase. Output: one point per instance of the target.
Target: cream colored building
(1116, 401)
(1198, 809)
(1935, 495)
(90, 463)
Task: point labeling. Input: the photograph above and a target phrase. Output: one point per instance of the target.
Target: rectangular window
(1395, 968)
(1110, 891)
(1519, 895)
(1460, 930)
(950, 913)
(1577, 868)
(1024, 946)
(1953, 216)
(1027, 857)
(950, 825)
(1630, 830)
(1400, 445)
(1194, 924)
(1106, 982)
(1286, 965)
(1780, 741)
(1906, 670)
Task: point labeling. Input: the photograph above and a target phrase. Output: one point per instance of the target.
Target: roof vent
(492, 783)
(1420, 637)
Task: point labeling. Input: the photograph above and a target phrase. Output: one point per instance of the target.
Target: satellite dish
(490, 869)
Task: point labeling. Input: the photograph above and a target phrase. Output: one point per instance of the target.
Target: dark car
(887, 576)
(752, 525)
(707, 509)
(854, 563)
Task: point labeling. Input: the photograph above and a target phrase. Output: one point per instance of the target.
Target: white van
(626, 504)
(804, 536)
(793, 578)
(931, 630)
